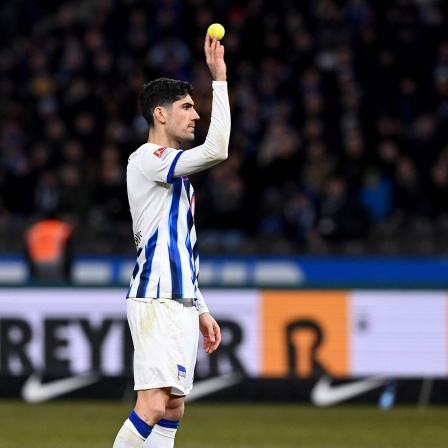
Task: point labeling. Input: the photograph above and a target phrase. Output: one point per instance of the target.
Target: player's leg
(150, 408)
(151, 400)
(165, 353)
(164, 431)
(133, 433)
(152, 404)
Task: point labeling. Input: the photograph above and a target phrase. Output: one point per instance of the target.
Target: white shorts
(165, 334)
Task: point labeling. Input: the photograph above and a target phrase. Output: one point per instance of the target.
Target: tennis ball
(216, 29)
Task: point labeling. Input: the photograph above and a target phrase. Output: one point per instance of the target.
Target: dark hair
(161, 92)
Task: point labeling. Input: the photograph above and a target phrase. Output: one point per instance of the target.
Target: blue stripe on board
(173, 250)
(169, 177)
(150, 249)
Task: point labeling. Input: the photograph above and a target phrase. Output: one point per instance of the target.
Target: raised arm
(216, 145)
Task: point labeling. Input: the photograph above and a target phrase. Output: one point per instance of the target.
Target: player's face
(182, 120)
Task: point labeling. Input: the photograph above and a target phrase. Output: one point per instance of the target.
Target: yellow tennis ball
(216, 29)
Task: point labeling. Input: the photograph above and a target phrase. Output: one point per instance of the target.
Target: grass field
(84, 424)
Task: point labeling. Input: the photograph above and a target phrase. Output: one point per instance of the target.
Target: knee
(151, 405)
(155, 413)
(151, 413)
(175, 410)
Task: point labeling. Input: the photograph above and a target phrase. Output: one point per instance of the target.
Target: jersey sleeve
(202, 306)
(158, 164)
(216, 145)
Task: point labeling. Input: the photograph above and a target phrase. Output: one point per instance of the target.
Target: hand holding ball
(216, 29)
(214, 52)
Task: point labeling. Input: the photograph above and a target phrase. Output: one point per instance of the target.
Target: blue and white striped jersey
(162, 206)
(167, 258)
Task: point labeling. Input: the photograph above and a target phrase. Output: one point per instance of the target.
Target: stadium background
(323, 237)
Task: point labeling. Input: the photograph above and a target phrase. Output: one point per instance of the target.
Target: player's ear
(160, 114)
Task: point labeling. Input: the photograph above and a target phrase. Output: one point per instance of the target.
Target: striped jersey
(162, 210)
(162, 206)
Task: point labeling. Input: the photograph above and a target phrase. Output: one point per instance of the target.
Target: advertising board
(304, 339)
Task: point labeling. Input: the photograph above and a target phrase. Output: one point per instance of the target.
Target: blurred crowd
(339, 138)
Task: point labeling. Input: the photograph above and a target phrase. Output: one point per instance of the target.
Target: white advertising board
(71, 331)
(398, 333)
(66, 331)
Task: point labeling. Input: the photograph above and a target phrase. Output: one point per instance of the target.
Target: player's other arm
(210, 331)
(216, 145)
(208, 326)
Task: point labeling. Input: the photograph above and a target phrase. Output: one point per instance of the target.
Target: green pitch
(81, 424)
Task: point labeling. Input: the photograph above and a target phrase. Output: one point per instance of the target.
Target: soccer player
(165, 307)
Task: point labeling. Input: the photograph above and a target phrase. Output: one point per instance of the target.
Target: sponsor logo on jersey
(138, 237)
(158, 152)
